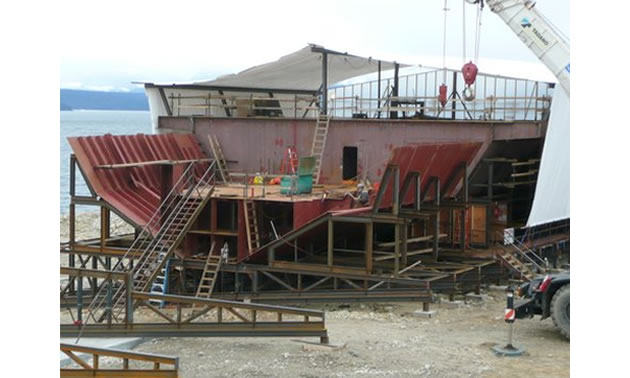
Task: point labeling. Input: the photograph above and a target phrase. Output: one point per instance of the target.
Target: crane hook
(469, 93)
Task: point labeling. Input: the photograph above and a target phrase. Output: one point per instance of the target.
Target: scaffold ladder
(210, 272)
(251, 223)
(319, 144)
(219, 157)
(160, 284)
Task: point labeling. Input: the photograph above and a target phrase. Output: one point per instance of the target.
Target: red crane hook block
(469, 70)
(442, 95)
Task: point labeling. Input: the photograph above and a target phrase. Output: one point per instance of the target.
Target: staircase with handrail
(521, 260)
(172, 220)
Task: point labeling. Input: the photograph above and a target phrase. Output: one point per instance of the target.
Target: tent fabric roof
(301, 70)
(552, 199)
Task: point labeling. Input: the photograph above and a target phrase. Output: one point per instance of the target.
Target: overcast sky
(110, 45)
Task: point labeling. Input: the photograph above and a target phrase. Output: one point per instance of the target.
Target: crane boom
(538, 35)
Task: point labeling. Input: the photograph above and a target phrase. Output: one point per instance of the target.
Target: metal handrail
(168, 224)
(530, 251)
(523, 254)
(168, 200)
(186, 176)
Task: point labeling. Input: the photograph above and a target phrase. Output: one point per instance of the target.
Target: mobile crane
(538, 34)
(548, 296)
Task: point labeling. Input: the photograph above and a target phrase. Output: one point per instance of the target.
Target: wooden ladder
(251, 223)
(219, 157)
(319, 144)
(210, 272)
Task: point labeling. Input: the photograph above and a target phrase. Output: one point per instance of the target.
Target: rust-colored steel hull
(134, 191)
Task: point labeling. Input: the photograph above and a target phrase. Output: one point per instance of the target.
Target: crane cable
(478, 32)
(463, 31)
(444, 43)
(469, 70)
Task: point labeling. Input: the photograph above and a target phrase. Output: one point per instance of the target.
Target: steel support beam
(403, 243)
(396, 191)
(324, 102)
(396, 249)
(394, 114)
(436, 235)
(489, 213)
(169, 111)
(369, 247)
(331, 241)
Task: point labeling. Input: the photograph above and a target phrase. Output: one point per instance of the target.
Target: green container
(303, 179)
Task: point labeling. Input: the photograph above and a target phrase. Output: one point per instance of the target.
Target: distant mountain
(96, 100)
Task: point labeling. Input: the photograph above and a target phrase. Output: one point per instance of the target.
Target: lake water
(93, 122)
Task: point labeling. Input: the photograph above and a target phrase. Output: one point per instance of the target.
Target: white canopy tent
(301, 70)
(552, 196)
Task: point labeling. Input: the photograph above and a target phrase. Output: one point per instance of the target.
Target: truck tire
(560, 310)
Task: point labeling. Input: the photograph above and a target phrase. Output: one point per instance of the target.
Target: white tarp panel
(301, 70)
(552, 199)
(156, 106)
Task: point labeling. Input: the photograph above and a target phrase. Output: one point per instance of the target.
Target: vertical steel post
(437, 191)
(394, 114)
(378, 90)
(271, 255)
(369, 248)
(324, 102)
(465, 182)
(396, 249)
(403, 242)
(79, 281)
(72, 216)
(104, 227)
(73, 162)
(94, 280)
(417, 193)
(396, 192)
(71, 256)
(129, 300)
(109, 302)
(454, 104)
(436, 234)
(462, 230)
(489, 213)
(330, 242)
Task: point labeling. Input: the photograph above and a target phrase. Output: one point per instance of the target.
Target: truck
(547, 296)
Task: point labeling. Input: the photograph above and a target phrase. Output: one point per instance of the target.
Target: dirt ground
(383, 340)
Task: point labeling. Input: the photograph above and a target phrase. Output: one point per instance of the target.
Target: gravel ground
(88, 225)
(383, 340)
